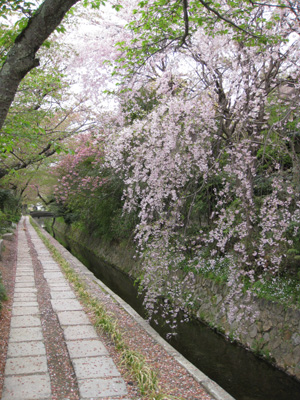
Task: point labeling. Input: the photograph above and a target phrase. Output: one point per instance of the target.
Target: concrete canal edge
(211, 386)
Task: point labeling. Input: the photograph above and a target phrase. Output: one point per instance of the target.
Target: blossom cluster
(79, 174)
(205, 142)
(223, 118)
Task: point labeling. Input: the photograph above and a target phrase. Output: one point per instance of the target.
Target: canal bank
(242, 374)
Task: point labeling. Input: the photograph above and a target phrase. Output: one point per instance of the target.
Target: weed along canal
(239, 372)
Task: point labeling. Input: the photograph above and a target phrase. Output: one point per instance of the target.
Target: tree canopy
(21, 56)
(159, 23)
(198, 158)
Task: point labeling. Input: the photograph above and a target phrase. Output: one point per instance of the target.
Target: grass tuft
(3, 296)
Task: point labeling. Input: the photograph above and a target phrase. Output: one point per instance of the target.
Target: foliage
(17, 11)
(199, 155)
(88, 192)
(9, 208)
(166, 25)
(282, 289)
(202, 152)
(220, 141)
(25, 7)
(40, 121)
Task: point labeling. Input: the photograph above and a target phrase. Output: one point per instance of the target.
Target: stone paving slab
(23, 349)
(53, 275)
(26, 365)
(24, 262)
(99, 388)
(66, 305)
(73, 317)
(80, 332)
(34, 387)
(60, 282)
(24, 279)
(95, 367)
(52, 269)
(47, 261)
(68, 294)
(25, 290)
(24, 268)
(86, 348)
(22, 299)
(25, 321)
(24, 285)
(24, 296)
(24, 265)
(25, 334)
(111, 398)
(62, 285)
(59, 288)
(22, 272)
(24, 310)
(21, 303)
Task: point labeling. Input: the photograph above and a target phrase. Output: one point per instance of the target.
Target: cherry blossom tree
(204, 136)
(211, 134)
(43, 115)
(80, 173)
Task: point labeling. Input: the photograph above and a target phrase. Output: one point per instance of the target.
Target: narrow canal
(239, 372)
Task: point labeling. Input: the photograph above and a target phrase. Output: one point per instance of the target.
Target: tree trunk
(22, 56)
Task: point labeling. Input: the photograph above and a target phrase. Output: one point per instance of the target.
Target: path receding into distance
(53, 350)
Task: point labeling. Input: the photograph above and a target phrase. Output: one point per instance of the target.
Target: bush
(100, 211)
(9, 208)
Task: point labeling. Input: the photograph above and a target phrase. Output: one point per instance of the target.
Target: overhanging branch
(21, 57)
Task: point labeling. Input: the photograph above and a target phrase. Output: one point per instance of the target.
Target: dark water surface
(239, 372)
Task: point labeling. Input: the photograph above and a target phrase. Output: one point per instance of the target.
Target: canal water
(239, 372)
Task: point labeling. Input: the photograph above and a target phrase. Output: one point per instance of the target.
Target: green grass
(3, 296)
(281, 289)
(145, 376)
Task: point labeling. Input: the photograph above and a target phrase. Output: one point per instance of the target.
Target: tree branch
(225, 19)
(22, 56)
(40, 196)
(186, 20)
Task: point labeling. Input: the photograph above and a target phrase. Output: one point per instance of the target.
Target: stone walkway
(27, 367)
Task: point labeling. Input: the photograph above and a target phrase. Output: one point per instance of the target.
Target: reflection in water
(239, 372)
